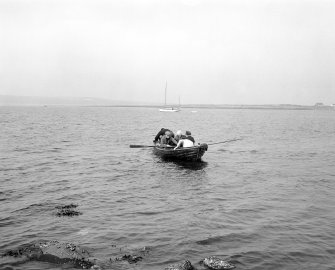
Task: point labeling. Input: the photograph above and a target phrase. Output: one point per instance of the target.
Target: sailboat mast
(165, 93)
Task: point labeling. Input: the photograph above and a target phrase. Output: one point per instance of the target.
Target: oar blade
(140, 146)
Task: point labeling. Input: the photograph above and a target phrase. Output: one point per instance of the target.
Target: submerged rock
(55, 252)
(217, 263)
(67, 206)
(185, 265)
(67, 210)
(69, 253)
(130, 258)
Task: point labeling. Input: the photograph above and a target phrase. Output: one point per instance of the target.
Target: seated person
(162, 133)
(167, 139)
(184, 143)
(178, 135)
(189, 137)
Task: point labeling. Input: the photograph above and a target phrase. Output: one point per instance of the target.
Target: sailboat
(169, 109)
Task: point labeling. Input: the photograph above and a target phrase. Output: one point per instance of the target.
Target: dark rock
(13, 253)
(185, 265)
(54, 252)
(67, 210)
(67, 206)
(130, 258)
(217, 263)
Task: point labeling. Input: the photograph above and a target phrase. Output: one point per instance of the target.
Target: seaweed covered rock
(217, 263)
(55, 252)
(67, 206)
(130, 258)
(67, 210)
(185, 265)
(29, 251)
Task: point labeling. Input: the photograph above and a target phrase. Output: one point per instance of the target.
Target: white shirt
(187, 143)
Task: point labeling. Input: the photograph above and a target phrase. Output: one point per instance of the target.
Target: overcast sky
(218, 52)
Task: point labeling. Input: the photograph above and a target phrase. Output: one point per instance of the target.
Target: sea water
(266, 201)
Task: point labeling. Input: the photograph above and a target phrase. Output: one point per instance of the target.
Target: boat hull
(188, 153)
(169, 110)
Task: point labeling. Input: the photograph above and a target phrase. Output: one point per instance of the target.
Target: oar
(140, 146)
(225, 141)
(145, 146)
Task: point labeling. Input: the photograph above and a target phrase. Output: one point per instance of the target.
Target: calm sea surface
(264, 202)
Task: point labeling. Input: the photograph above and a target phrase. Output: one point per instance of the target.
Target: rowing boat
(193, 153)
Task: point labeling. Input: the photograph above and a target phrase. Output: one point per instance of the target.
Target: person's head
(178, 133)
(167, 134)
(188, 133)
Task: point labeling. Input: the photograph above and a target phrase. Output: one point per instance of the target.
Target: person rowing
(189, 137)
(178, 135)
(167, 139)
(186, 141)
(161, 133)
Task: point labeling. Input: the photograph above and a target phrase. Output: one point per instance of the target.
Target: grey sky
(219, 52)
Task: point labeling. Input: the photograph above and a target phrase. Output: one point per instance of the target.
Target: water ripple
(264, 202)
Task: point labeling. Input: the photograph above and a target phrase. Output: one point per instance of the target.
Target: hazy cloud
(249, 52)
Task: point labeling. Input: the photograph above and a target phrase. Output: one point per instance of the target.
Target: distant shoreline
(24, 101)
(222, 107)
(261, 107)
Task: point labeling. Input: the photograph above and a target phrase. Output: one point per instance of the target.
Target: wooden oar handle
(140, 146)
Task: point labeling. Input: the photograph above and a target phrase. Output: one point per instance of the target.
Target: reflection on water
(190, 165)
(182, 164)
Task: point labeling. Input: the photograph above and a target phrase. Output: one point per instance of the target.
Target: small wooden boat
(193, 153)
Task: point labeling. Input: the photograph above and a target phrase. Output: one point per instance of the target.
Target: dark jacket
(161, 133)
(169, 141)
(189, 137)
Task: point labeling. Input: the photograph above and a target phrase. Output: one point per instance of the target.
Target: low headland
(8, 100)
